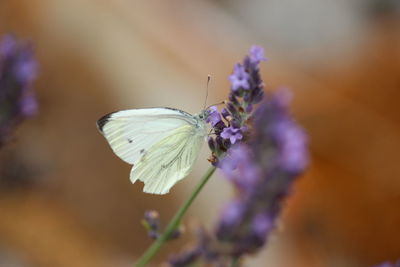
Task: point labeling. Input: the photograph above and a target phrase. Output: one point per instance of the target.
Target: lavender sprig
(262, 172)
(151, 221)
(17, 73)
(230, 126)
(261, 153)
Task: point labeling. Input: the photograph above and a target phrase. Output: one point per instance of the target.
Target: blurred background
(66, 199)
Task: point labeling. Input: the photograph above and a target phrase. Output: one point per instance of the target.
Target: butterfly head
(203, 115)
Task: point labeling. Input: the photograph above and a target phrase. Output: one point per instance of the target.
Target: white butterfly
(162, 144)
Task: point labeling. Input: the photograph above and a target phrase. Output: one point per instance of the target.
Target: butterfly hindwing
(168, 161)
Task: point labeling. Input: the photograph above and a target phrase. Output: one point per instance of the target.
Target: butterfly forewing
(131, 133)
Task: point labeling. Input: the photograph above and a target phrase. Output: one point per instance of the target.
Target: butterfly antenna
(208, 81)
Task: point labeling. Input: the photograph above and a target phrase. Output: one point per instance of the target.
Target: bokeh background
(66, 200)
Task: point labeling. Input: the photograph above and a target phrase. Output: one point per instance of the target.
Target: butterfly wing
(161, 143)
(169, 160)
(131, 133)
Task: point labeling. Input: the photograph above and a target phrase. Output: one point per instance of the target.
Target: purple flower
(232, 213)
(257, 54)
(246, 90)
(262, 171)
(184, 259)
(213, 117)
(151, 222)
(239, 78)
(225, 113)
(239, 169)
(284, 133)
(152, 218)
(291, 139)
(389, 264)
(238, 156)
(262, 225)
(201, 251)
(233, 134)
(17, 73)
(7, 45)
(261, 151)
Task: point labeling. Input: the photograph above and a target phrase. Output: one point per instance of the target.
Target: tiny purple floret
(214, 116)
(257, 54)
(233, 134)
(239, 78)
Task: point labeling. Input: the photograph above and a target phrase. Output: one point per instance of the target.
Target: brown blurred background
(66, 200)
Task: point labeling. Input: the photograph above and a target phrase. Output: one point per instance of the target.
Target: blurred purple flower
(257, 54)
(276, 154)
(17, 73)
(232, 213)
(261, 225)
(151, 221)
(184, 259)
(239, 167)
(261, 152)
(283, 131)
(291, 139)
(203, 250)
(389, 264)
(262, 170)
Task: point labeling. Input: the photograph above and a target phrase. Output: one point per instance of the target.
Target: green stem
(174, 223)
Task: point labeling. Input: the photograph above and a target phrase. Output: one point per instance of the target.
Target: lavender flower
(246, 90)
(17, 73)
(257, 54)
(203, 250)
(151, 221)
(239, 78)
(232, 133)
(185, 258)
(239, 167)
(213, 117)
(262, 171)
(261, 152)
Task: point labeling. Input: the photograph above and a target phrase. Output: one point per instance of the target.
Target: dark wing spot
(103, 121)
(141, 151)
(130, 140)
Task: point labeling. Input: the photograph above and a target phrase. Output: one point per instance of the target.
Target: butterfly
(162, 144)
